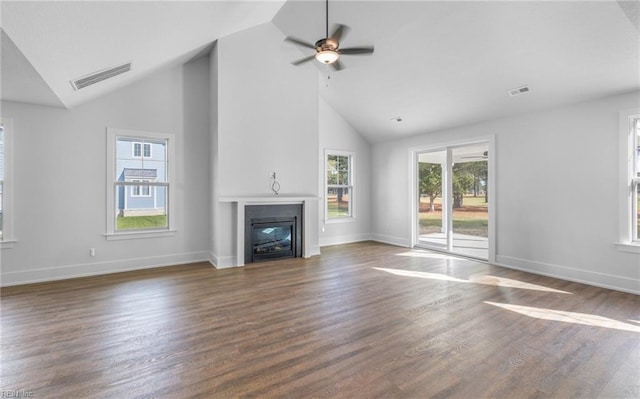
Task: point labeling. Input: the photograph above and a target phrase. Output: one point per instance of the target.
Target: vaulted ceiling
(437, 64)
(65, 40)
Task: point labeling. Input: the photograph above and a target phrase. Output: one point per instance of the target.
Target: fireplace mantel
(267, 199)
(242, 201)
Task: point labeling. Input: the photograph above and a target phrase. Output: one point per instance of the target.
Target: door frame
(414, 153)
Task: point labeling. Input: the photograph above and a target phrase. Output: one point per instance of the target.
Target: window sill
(340, 220)
(631, 247)
(7, 244)
(134, 235)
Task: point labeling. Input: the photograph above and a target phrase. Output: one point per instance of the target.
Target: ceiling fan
(328, 50)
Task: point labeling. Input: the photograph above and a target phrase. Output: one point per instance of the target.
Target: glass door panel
(431, 224)
(470, 206)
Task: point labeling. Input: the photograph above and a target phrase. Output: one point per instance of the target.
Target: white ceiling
(437, 64)
(68, 40)
(440, 64)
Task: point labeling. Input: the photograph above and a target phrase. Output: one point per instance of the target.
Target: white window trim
(142, 145)
(351, 186)
(112, 233)
(7, 190)
(626, 206)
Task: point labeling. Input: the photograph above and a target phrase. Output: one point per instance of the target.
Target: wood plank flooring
(363, 320)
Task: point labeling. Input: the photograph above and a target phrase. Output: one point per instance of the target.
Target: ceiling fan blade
(337, 65)
(303, 60)
(299, 42)
(357, 50)
(339, 32)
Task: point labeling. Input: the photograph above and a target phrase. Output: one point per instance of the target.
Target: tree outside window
(339, 185)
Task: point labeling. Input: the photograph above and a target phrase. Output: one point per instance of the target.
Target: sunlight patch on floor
(430, 255)
(567, 317)
(510, 283)
(431, 276)
(484, 280)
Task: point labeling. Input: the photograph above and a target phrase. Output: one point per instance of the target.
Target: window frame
(7, 240)
(113, 134)
(629, 181)
(350, 186)
(635, 177)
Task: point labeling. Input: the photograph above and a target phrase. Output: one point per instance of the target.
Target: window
(1, 174)
(5, 184)
(630, 181)
(142, 149)
(635, 179)
(140, 191)
(139, 187)
(339, 185)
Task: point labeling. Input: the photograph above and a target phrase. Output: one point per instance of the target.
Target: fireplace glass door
(271, 240)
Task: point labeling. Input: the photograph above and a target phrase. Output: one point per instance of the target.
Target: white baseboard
(602, 280)
(398, 241)
(93, 269)
(222, 262)
(314, 251)
(326, 241)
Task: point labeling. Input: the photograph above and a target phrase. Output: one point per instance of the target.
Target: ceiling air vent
(519, 90)
(99, 76)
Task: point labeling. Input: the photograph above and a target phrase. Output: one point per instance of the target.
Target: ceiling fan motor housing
(328, 44)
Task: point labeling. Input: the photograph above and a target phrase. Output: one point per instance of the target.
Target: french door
(452, 199)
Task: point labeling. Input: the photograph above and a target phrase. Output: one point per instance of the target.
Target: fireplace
(272, 232)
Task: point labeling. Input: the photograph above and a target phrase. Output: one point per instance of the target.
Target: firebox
(272, 232)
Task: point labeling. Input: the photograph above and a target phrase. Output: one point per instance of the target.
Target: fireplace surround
(237, 205)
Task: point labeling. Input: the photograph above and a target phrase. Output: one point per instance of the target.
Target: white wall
(60, 179)
(556, 191)
(267, 120)
(338, 134)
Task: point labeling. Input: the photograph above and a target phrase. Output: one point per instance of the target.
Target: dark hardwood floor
(363, 320)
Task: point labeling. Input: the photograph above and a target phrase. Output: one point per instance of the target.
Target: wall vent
(519, 90)
(99, 76)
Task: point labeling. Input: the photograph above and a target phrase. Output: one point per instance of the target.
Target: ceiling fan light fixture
(327, 56)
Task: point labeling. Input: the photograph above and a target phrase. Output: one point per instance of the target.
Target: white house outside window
(140, 195)
(339, 182)
(140, 191)
(141, 150)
